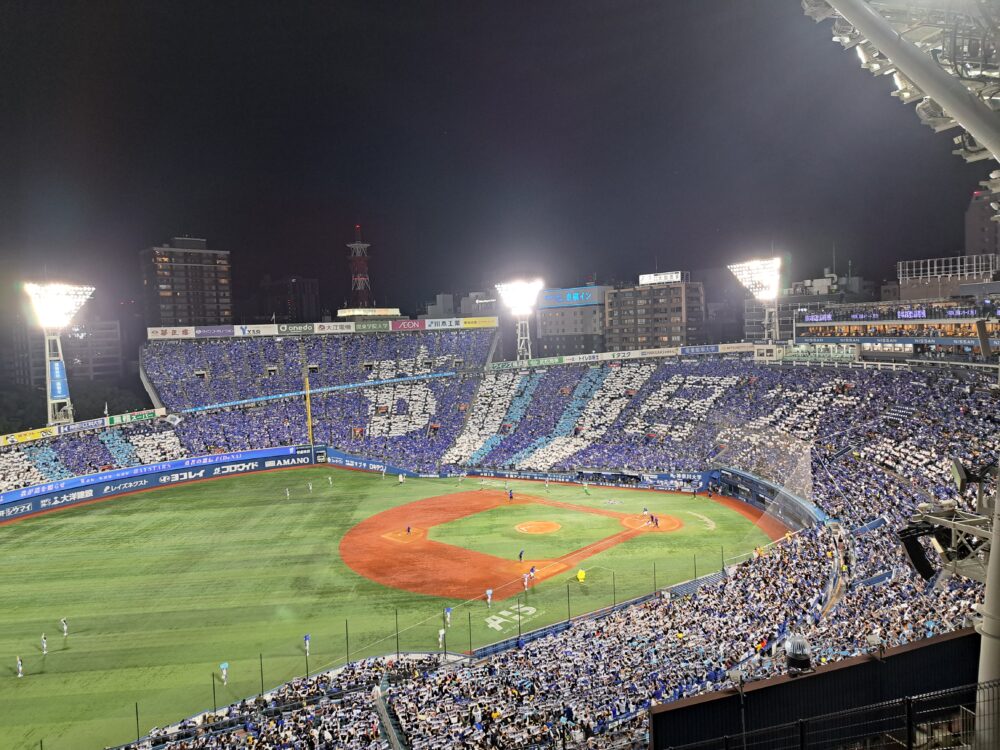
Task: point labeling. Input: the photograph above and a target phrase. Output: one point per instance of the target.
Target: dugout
(791, 510)
(621, 478)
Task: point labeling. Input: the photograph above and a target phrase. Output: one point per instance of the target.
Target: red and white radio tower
(357, 259)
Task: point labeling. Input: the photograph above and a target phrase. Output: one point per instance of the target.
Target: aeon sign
(408, 325)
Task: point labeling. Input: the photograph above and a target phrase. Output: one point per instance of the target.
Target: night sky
(472, 140)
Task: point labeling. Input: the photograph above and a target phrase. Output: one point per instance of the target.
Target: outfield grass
(160, 587)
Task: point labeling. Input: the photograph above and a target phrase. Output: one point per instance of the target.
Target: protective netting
(777, 457)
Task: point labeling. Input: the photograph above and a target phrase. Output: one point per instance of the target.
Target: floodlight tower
(519, 297)
(761, 278)
(55, 305)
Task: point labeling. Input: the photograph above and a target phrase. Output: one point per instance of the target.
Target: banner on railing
(348, 461)
(26, 436)
(40, 433)
(484, 322)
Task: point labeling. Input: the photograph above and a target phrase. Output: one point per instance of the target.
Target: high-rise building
(471, 305)
(982, 234)
(655, 314)
(293, 299)
(443, 306)
(570, 321)
(185, 283)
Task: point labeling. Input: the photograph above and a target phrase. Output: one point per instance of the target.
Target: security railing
(962, 717)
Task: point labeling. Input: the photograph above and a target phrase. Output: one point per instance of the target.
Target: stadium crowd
(866, 446)
(322, 712)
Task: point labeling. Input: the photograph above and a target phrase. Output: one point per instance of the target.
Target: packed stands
(866, 446)
(195, 373)
(541, 403)
(17, 470)
(617, 386)
(495, 395)
(330, 710)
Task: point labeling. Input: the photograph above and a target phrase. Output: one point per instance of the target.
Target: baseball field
(161, 587)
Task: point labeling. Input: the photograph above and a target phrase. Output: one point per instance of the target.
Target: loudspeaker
(910, 537)
(984, 340)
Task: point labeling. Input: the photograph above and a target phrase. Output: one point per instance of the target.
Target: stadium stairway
(389, 724)
(582, 394)
(515, 413)
(689, 587)
(842, 452)
(121, 449)
(45, 459)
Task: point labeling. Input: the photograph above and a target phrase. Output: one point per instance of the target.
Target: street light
(762, 278)
(54, 306)
(519, 297)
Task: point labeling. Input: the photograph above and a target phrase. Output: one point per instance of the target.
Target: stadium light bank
(762, 278)
(519, 297)
(55, 306)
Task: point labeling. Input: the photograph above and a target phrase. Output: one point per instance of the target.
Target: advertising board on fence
(87, 424)
(295, 329)
(333, 327)
(26, 436)
(484, 322)
(305, 329)
(174, 332)
(136, 416)
(65, 492)
(262, 329)
(407, 325)
(205, 332)
(526, 363)
(437, 324)
(369, 326)
(339, 458)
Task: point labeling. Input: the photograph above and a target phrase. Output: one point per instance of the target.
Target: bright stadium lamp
(55, 306)
(762, 279)
(519, 297)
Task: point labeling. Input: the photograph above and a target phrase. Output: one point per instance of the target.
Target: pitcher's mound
(538, 527)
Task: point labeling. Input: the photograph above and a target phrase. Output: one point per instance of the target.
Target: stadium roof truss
(944, 57)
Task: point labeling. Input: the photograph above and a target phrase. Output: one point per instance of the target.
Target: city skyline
(558, 141)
